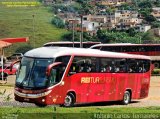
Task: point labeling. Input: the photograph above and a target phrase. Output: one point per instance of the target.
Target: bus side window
(63, 59)
(106, 65)
(83, 65)
(144, 66)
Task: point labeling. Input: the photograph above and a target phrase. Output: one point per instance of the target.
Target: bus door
(57, 77)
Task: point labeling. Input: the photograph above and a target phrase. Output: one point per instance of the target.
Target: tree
(157, 3)
(132, 32)
(23, 49)
(150, 18)
(156, 24)
(58, 22)
(68, 37)
(103, 36)
(145, 4)
(148, 36)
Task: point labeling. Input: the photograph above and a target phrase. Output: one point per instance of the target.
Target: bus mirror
(49, 68)
(11, 66)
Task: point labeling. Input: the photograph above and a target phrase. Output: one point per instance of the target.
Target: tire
(126, 98)
(40, 105)
(69, 100)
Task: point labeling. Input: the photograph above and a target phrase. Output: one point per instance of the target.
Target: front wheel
(69, 100)
(126, 98)
(40, 105)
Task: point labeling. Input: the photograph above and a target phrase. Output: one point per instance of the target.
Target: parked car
(4, 75)
(6, 69)
(15, 56)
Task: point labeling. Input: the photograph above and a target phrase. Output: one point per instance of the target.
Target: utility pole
(33, 31)
(73, 32)
(81, 37)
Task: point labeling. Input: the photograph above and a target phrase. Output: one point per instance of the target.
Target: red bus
(70, 44)
(65, 76)
(152, 50)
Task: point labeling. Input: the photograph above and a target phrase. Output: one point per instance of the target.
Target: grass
(78, 112)
(19, 22)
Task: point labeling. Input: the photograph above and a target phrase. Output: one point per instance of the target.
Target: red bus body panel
(96, 87)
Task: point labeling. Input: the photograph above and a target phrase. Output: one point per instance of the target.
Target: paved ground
(153, 99)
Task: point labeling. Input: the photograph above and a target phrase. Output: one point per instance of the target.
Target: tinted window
(138, 66)
(112, 65)
(63, 59)
(84, 65)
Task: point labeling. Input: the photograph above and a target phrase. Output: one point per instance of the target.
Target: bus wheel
(126, 98)
(69, 100)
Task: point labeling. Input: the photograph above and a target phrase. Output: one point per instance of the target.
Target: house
(95, 18)
(90, 26)
(114, 17)
(108, 26)
(113, 2)
(143, 28)
(156, 13)
(127, 13)
(72, 23)
(131, 20)
(124, 26)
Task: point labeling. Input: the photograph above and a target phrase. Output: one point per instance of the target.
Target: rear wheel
(126, 98)
(69, 100)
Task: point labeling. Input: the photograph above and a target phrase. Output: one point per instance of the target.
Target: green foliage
(58, 22)
(86, 8)
(156, 71)
(145, 11)
(150, 18)
(80, 1)
(19, 23)
(118, 36)
(145, 4)
(132, 32)
(73, 8)
(157, 3)
(126, 7)
(68, 37)
(86, 37)
(24, 48)
(156, 24)
(103, 36)
(148, 36)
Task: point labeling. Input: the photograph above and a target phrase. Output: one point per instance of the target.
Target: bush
(58, 22)
(23, 49)
(156, 71)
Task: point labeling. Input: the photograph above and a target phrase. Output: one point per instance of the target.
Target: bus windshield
(32, 72)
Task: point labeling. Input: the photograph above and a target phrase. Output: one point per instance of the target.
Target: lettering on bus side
(99, 80)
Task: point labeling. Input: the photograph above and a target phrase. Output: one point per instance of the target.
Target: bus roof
(69, 42)
(124, 44)
(51, 52)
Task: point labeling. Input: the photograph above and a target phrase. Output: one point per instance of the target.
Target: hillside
(32, 22)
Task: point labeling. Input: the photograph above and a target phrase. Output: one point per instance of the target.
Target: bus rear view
(65, 76)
